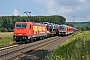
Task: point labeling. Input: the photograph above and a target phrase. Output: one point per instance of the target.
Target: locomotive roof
(23, 22)
(31, 22)
(62, 25)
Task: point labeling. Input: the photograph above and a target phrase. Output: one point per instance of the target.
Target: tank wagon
(29, 31)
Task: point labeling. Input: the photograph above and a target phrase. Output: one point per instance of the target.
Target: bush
(6, 30)
(9, 30)
(75, 48)
(83, 29)
(3, 30)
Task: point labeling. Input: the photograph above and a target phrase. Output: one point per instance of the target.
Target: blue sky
(80, 9)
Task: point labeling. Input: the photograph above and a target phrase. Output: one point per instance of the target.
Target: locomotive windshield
(62, 27)
(21, 25)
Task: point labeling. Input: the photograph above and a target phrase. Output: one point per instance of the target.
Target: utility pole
(28, 14)
(73, 19)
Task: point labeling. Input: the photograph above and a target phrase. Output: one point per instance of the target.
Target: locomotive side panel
(39, 30)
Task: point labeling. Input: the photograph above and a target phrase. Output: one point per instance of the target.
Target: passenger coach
(65, 30)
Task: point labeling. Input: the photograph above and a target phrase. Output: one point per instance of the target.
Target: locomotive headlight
(65, 33)
(15, 37)
(24, 37)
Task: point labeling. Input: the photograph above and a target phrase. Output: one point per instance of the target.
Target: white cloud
(15, 12)
(50, 3)
(51, 7)
(79, 8)
(82, 0)
(67, 8)
(54, 8)
(64, 10)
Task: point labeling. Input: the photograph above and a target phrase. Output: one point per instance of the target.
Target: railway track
(40, 52)
(19, 51)
(8, 47)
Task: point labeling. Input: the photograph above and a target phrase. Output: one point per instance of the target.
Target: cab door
(30, 30)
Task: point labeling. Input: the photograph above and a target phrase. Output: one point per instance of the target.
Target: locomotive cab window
(18, 25)
(62, 27)
(21, 25)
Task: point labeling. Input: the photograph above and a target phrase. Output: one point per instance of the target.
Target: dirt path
(40, 53)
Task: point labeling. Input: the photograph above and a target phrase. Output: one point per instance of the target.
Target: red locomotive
(29, 31)
(65, 30)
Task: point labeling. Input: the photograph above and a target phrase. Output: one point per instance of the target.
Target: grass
(76, 47)
(6, 34)
(6, 38)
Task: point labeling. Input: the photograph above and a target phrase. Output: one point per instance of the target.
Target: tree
(83, 29)
(7, 22)
(3, 30)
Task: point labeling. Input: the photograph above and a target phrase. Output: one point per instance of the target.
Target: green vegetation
(75, 48)
(80, 25)
(6, 39)
(7, 22)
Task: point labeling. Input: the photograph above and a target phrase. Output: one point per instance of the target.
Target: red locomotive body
(29, 31)
(65, 30)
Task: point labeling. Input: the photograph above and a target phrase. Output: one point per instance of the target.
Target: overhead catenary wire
(18, 3)
(34, 4)
(37, 5)
(7, 4)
